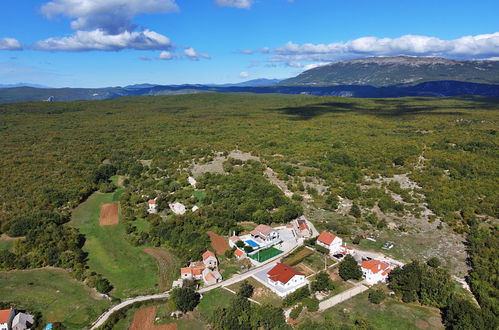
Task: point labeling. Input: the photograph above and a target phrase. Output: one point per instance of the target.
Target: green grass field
(261, 293)
(6, 244)
(391, 314)
(266, 254)
(131, 271)
(214, 299)
(53, 293)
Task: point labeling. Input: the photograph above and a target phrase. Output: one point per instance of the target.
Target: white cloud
(112, 16)
(235, 3)
(479, 46)
(294, 64)
(166, 55)
(100, 40)
(244, 74)
(193, 55)
(10, 44)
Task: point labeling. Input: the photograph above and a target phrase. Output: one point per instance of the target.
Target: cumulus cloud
(100, 40)
(479, 46)
(10, 44)
(244, 74)
(235, 3)
(193, 55)
(112, 16)
(106, 25)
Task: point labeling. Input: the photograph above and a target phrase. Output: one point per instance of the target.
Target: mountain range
(368, 77)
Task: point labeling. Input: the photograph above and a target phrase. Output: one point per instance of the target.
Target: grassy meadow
(55, 294)
(130, 270)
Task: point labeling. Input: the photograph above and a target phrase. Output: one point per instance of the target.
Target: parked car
(338, 256)
(387, 246)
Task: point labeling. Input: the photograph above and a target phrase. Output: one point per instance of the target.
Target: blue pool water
(252, 243)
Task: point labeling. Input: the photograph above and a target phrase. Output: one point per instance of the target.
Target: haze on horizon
(95, 43)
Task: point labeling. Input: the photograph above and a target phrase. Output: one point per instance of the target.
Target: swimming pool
(252, 243)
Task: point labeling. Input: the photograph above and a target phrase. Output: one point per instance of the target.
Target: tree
(462, 314)
(103, 286)
(322, 282)
(376, 296)
(295, 312)
(349, 269)
(185, 299)
(245, 290)
(248, 249)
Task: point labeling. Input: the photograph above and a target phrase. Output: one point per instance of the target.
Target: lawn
(53, 293)
(213, 299)
(128, 268)
(6, 244)
(262, 294)
(266, 254)
(391, 314)
(316, 261)
(296, 257)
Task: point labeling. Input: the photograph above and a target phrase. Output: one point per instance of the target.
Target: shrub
(296, 312)
(322, 282)
(103, 286)
(245, 290)
(434, 262)
(312, 304)
(376, 296)
(296, 296)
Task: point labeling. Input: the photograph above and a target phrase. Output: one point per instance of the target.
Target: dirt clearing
(219, 243)
(109, 215)
(144, 320)
(165, 266)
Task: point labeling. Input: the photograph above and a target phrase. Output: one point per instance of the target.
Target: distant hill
(22, 85)
(253, 83)
(398, 70)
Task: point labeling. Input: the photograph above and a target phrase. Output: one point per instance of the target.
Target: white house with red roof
(153, 206)
(302, 227)
(375, 271)
(6, 317)
(210, 260)
(284, 279)
(329, 241)
(211, 276)
(265, 233)
(191, 273)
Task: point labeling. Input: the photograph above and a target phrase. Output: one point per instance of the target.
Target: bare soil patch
(109, 215)
(165, 266)
(219, 243)
(304, 269)
(144, 320)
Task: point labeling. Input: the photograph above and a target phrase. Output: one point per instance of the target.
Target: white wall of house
(373, 278)
(294, 283)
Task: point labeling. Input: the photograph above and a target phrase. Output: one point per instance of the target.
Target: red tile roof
(282, 273)
(4, 315)
(208, 254)
(209, 276)
(186, 270)
(235, 239)
(375, 266)
(264, 229)
(326, 238)
(152, 201)
(239, 253)
(197, 271)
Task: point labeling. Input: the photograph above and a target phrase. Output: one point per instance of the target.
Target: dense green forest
(54, 155)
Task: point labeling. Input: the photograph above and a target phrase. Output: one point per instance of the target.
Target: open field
(54, 293)
(144, 320)
(219, 243)
(167, 266)
(391, 314)
(128, 268)
(212, 300)
(109, 214)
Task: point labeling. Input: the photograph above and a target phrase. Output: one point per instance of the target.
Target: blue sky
(98, 43)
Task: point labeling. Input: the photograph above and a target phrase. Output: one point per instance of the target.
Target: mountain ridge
(397, 70)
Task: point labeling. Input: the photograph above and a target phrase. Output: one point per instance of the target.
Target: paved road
(271, 262)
